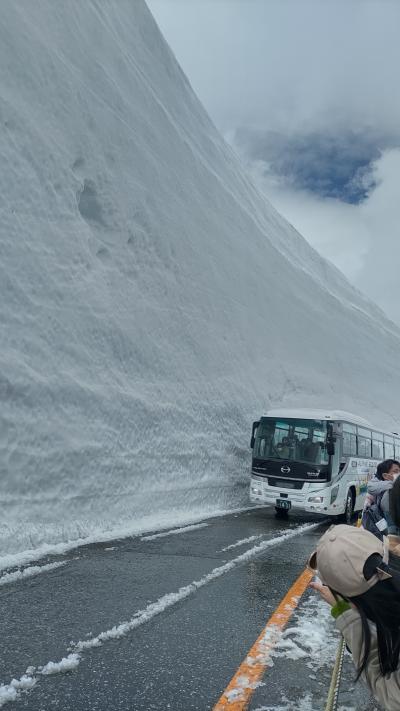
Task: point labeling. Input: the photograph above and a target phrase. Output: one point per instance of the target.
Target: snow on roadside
(10, 692)
(304, 704)
(148, 524)
(29, 572)
(312, 637)
(174, 531)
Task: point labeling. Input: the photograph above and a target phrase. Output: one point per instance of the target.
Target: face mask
(395, 476)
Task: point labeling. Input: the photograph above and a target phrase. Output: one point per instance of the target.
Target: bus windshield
(291, 439)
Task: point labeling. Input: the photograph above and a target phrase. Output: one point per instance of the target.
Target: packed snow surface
(152, 302)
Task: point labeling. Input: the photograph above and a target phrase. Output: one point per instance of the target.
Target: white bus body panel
(355, 475)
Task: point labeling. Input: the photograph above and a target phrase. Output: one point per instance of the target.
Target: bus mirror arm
(253, 439)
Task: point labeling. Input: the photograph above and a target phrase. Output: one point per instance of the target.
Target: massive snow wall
(152, 303)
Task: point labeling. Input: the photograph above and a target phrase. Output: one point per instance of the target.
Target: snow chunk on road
(65, 665)
(9, 692)
(29, 572)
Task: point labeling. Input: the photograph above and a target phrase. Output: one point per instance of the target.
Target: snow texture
(303, 704)
(174, 532)
(152, 302)
(29, 572)
(312, 637)
(10, 691)
(242, 542)
(65, 665)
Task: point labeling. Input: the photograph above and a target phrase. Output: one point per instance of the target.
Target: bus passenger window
(364, 447)
(377, 449)
(349, 444)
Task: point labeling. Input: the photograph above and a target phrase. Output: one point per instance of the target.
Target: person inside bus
(363, 592)
(381, 482)
(309, 449)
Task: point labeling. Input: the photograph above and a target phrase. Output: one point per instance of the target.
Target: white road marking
(250, 539)
(174, 531)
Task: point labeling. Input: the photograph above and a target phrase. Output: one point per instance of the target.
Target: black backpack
(373, 519)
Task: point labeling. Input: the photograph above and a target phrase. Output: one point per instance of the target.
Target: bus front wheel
(349, 510)
(281, 513)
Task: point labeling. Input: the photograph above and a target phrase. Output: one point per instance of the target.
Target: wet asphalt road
(183, 658)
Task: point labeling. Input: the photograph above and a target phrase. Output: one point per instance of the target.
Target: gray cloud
(287, 65)
(307, 93)
(330, 165)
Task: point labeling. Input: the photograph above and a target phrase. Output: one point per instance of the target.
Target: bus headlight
(256, 491)
(316, 499)
(334, 493)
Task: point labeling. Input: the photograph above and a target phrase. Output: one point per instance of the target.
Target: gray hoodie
(377, 486)
(385, 689)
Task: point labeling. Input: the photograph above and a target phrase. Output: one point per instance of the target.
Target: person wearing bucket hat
(363, 590)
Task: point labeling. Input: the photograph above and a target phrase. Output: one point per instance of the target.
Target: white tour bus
(316, 461)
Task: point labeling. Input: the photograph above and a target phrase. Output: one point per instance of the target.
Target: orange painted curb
(239, 691)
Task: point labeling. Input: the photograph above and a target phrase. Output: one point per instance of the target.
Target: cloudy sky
(308, 93)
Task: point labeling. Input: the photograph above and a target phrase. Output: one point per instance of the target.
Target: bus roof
(314, 414)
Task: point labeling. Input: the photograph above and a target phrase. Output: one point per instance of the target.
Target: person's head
(388, 469)
(353, 563)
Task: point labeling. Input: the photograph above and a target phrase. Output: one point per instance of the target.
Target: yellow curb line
(253, 667)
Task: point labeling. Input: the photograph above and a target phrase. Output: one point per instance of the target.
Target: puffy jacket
(377, 488)
(385, 689)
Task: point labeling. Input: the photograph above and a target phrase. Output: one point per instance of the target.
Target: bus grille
(285, 483)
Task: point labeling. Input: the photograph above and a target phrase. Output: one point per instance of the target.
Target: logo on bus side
(285, 469)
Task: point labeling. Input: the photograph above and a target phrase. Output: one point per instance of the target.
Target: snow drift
(152, 303)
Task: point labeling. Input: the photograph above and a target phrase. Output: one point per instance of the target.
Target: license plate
(283, 504)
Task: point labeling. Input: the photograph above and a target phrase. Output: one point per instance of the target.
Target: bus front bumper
(297, 502)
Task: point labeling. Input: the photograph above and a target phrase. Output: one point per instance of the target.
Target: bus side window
(389, 448)
(377, 450)
(349, 440)
(349, 444)
(364, 442)
(364, 447)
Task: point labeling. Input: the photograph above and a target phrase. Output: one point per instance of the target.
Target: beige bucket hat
(340, 558)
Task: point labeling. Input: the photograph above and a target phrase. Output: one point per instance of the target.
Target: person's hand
(325, 593)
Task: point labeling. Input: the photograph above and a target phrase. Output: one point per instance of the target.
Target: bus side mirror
(253, 439)
(333, 431)
(330, 447)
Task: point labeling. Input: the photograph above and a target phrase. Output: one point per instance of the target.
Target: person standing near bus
(391, 507)
(377, 487)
